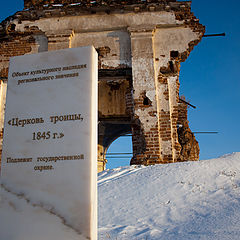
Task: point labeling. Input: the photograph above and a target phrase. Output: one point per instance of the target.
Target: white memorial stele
(49, 152)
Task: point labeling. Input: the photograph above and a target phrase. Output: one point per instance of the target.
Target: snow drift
(191, 200)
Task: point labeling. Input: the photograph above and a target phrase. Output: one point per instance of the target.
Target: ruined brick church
(140, 44)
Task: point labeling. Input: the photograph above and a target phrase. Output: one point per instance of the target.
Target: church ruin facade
(140, 45)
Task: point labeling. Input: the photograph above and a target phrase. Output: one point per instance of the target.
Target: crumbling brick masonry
(140, 45)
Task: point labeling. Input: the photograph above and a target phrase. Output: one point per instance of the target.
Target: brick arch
(108, 132)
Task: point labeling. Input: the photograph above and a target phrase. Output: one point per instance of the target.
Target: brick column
(164, 120)
(145, 127)
(173, 86)
(168, 91)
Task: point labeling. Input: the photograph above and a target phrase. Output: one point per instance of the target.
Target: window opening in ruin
(171, 66)
(13, 26)
(146, 101)
(174, 54)
(120, 152)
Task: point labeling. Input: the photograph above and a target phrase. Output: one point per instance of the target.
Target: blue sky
(209, 79)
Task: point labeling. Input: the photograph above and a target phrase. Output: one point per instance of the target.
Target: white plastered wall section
(97, 30)
(100, 22)
(143, 71)
(118, 42)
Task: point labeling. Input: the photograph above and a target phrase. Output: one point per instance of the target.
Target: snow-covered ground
(191, 200)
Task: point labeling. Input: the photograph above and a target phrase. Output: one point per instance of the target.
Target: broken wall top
(36, 4)
(56, 9)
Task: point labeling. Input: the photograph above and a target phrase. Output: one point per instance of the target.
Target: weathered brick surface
(189, 145)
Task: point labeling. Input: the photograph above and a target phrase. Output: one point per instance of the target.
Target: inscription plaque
(50, 135)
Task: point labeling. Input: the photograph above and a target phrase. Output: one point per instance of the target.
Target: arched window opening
(119, 133)
(119, 152)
